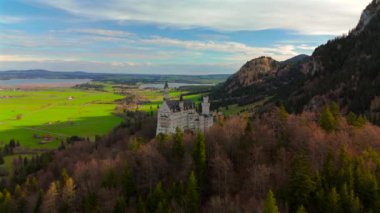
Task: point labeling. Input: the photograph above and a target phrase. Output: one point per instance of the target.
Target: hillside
(260, 78)
(345, 70)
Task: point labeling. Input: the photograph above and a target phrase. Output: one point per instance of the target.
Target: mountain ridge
(344, 70)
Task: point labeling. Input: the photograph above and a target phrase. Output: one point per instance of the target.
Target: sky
(165, 36)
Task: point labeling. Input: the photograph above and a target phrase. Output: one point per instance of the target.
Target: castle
(182, 114)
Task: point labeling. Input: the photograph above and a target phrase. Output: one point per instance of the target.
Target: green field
(41, 118)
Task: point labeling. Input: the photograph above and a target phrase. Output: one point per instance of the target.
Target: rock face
(345, 69)
(252, 72)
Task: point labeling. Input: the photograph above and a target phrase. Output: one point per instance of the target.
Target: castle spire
(166, 91)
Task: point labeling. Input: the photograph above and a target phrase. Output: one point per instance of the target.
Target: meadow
(40, 119)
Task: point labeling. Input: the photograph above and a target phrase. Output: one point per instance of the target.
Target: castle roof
(174, 104)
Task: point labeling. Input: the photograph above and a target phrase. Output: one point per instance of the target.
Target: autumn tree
(68, 194)
(50, 202)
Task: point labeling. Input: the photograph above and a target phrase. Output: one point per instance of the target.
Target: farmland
(40, 119)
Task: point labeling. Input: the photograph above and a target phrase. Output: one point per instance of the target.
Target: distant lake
(41, 82)
(171, 85)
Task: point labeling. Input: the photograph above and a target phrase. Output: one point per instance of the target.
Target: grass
(236, 109)
(49, 112)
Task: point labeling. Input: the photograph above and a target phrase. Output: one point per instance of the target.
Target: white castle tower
(205, 106)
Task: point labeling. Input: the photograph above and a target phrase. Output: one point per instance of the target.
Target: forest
(275, 162)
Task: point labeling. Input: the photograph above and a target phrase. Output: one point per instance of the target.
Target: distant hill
(117, 78)
(345, 69)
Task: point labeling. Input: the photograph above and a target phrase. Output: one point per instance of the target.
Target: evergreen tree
(335, 110)
(178, 148)
(351, 118)
(349, 202)
(333, 204)
(328, 172)
(1, 159)
(120, 206)
(327, 120)
(361, 121)
(128, 184)
(193, 198)
(199, 157)
(301, 209)
(270, 205)
(301, 182)
(282, 113)
(155, 197)
(140, 206)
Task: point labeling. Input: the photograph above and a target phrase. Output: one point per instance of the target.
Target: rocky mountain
(261, 78)
(345, 69)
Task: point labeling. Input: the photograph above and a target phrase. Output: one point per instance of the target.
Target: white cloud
(20, 58)
(11, 19)
(98, 32)
(242, 51)
(308, 16)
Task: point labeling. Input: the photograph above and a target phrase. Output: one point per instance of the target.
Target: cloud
(309, 16)
(11, 19)
(20, 58)
(98, 32)
(243, 51)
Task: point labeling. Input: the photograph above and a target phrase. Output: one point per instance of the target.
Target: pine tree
(270, 205)
(178, 148)
(327, 120)
(328, 172)
(335, 110)
(199, 157)
(301, 209)
(140, 206)
(301, 182)
(128, 184)
(361, 121)
(333, 200)
(283, 114)
(192, 192)
(1, 159)
(155, 197)
(351, 118)
(120, 206)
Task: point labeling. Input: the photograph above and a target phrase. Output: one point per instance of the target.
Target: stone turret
(181, 103)
(166, 91)
(205, 106)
